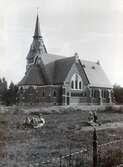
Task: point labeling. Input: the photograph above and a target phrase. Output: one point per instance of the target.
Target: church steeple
(37, 49)
(37, 33)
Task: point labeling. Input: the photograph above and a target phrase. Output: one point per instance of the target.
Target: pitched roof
(49, 62)
(62, 67)
(95, 74)
(33, 76)
(58, 67)
(50, 58)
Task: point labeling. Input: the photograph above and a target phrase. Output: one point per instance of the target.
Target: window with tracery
(76, 82)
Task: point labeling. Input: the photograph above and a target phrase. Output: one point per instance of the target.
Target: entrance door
(68, 99)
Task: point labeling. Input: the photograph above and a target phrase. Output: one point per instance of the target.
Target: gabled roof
(95, 74)
(51, 58)
(57, 69)
(49, 62)
(33, 76)
(62, 68)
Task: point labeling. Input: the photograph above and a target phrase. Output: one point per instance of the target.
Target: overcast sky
(93, 28)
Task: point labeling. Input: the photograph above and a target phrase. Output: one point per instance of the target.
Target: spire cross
(37, 9)
(37, 33)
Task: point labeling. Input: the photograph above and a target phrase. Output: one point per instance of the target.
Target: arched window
(94, 93)
(72, 84)
(54, 94)
(105, 93)
(80, 85)
(97, 93)
(43, 94)
(76, 82)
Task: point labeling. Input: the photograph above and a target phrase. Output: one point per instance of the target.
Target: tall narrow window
(76, 84)
(94, 93)
(80, 85)
(102, 93)
(72, 84)
(43, 94)
(54, 94)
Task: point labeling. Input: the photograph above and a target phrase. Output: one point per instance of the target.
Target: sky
(93, 29)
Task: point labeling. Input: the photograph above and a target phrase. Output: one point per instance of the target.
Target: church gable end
(75, 70)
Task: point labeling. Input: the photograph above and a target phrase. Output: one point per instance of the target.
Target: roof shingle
(62, 68)
(95, 74)
(33, 76)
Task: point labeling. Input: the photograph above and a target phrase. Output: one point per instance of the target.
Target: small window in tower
(72, 84)
(54, 94)
(80, 85)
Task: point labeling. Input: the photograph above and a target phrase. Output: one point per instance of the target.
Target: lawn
(64, 126)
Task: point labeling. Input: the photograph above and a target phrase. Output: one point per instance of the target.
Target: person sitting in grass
(95, 116)
(91, 117)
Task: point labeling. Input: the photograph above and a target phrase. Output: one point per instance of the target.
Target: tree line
(118, 94)
(9, 94)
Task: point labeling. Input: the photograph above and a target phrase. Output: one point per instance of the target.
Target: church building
(60, 80)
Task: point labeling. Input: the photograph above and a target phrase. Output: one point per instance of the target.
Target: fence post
(60, 161)
(70, 156)
(94, 148)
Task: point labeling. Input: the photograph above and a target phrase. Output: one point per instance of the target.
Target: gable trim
(84, 71)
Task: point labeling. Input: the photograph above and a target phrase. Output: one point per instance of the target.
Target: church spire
(37, 33)
(37, 49)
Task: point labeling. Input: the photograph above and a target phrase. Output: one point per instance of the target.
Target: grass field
(21, 146)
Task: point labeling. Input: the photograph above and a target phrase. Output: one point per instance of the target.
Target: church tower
(37, 49)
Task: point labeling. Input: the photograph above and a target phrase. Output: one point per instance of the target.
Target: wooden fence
(108, 155)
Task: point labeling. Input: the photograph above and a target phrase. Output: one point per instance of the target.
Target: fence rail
(84, 157)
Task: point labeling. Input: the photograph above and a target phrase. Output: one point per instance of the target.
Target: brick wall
(44, 94)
